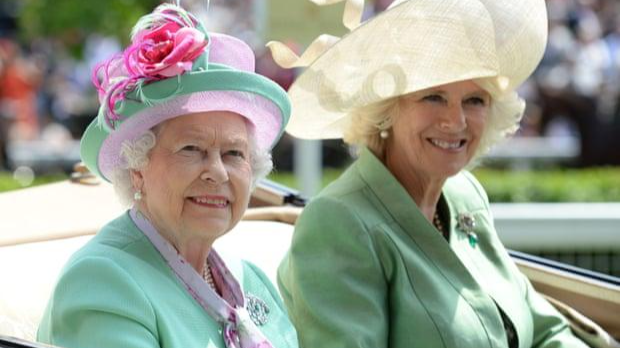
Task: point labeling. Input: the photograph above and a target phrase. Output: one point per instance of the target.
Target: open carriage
(41, 227)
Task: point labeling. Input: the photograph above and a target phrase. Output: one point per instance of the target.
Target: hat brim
(413, 46)
(261, 101)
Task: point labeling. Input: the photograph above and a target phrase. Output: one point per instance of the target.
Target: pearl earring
(384, 134)
(137, 196)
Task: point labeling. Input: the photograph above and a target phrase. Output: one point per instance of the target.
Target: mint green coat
(366, 269)
(118, 292)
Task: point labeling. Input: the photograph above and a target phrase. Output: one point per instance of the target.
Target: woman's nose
(453, 120)
(214, 171)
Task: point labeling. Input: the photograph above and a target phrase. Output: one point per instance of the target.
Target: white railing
(524, 152)
(558, 226)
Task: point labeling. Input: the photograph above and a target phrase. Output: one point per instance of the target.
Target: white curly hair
(366, 123)
(136, 156)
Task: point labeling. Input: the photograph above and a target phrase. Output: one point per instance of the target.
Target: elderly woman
(401, 250)
(183, 133)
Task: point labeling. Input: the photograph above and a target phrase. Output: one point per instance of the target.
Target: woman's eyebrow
(480, 93)
(236, 142)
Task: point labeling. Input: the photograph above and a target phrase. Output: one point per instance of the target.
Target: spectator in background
(576, 85)
(4, 123)
(20, 82)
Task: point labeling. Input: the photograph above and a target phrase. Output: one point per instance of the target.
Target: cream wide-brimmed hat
(414, 45)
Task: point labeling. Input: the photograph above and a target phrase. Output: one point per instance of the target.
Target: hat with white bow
(415, 45)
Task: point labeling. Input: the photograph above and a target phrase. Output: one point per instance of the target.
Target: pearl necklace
(207, 275)
(437, 223)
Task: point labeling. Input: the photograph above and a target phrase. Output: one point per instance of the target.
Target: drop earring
(384, 134)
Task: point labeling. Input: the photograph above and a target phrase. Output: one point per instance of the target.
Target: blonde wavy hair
(366, 123)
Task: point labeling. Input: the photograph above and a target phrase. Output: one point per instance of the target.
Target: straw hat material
(414, 45)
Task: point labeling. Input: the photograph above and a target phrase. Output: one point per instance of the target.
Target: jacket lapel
(404, 211)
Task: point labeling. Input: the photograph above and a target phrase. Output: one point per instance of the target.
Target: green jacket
(117, 291)
(366, 269)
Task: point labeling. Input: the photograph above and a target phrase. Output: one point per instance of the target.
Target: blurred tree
(301, 21)
(72, 21)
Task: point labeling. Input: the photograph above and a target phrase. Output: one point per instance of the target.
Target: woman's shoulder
(330, 210)
(348, 194)
(345, 186)
(118, 248)
(119, 233)
(119, 267)
(118, 237)
(97, 283)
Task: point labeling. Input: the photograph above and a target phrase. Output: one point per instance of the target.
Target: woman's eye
(435, 98)
(236, 153)
(190, 148)
(476, 101)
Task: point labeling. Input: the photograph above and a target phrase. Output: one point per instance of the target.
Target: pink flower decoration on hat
(166, 47)
(164, 52)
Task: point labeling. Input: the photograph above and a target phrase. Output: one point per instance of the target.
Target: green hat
(173, 68)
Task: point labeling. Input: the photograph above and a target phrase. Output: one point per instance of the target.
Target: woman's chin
(449, 166)
(448, 170)
(209, 226)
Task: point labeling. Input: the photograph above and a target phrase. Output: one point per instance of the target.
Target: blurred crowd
(46, 92)
(576, 89)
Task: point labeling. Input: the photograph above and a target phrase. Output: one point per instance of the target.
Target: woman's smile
(210, 201)
(456, 145)
(198, 177)
(437, 131)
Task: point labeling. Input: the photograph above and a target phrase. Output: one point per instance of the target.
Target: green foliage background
(302, 21)
(562, 185)
(568, 185)
(71, 21)
(7, 183)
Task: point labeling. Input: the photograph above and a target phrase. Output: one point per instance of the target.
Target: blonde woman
(401, 251)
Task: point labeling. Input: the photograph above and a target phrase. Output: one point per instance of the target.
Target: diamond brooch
(467, 223)
(257, 309)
